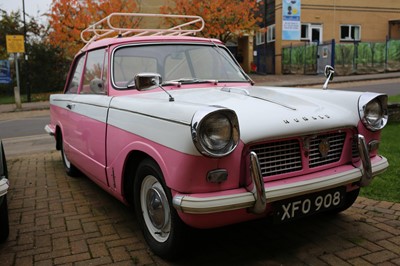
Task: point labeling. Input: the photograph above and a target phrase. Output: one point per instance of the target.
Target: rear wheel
(70, 169)
(4, 227)
(159, 221)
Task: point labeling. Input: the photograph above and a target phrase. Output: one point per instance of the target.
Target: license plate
(307, 205)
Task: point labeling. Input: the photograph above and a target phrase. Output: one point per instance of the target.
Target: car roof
(147, 39)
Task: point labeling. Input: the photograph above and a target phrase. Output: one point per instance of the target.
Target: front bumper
(259, 194)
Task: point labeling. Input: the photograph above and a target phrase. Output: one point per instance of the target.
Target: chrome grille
(286, 156)
(278, 157)
(336, 141)
(354, 149)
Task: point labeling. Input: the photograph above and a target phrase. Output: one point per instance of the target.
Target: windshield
(175, 62)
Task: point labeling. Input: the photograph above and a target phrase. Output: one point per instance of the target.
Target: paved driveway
(58, 220)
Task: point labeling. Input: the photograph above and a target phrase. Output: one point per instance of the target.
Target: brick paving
(59, 220)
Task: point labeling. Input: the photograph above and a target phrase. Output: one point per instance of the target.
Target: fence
(347, 58)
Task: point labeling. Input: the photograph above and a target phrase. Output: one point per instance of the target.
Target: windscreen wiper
(179, 82)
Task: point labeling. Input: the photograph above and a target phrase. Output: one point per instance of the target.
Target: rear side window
(94, 79)
(76, 77)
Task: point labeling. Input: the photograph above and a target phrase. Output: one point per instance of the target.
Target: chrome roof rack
(104, 28)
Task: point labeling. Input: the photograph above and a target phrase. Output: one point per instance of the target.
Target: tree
(223, 19)
(68, 18)
(47, 65)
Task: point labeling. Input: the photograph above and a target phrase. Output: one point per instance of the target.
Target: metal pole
(17, 90)
(28, 90)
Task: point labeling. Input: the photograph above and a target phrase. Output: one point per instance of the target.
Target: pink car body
(211, 149)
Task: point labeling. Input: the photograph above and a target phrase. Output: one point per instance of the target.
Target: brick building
(344, 21)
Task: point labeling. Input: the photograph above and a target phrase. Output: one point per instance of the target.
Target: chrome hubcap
(155, 207)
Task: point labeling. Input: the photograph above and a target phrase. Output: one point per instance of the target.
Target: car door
(88, 116)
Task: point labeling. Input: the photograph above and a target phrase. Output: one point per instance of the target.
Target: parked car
(4, 185)
(172, 125)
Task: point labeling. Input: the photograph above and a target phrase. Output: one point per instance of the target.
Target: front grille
(287, 156)
(279, 157)
(335, 140)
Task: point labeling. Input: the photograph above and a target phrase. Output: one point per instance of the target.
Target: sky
(34, 8)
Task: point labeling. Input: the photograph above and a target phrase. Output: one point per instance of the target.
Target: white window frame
(260, 37)
(307, 32)
(271, 35)
(349, 38)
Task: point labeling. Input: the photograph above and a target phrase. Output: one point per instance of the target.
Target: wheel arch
(3, 161)
(58, 137)
(132, 162)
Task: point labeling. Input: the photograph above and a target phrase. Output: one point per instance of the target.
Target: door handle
(70, 106)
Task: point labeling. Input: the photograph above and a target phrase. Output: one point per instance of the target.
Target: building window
(260, 37)
(271, 33)
(305, 29)
(350, 33)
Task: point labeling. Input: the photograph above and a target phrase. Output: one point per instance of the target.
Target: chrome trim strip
(245, 199)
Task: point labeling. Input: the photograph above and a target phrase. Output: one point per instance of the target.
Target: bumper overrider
(256, 196)
(4, 185)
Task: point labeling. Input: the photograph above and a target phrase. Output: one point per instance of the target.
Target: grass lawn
(35, 97)
(386, 186)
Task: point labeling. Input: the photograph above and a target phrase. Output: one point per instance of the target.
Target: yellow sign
(15, 44)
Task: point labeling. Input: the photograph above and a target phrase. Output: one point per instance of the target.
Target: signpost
(15, 44)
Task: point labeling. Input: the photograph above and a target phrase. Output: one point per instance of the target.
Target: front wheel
(349, 199)
(159, 221)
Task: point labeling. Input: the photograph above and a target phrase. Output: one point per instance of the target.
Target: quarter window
(94, 78)
(76, 78)
(350, 33)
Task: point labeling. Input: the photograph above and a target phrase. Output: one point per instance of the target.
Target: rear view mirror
(147, 81)
(329, 71)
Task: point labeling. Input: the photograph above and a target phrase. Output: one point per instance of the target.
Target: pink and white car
(172, 125)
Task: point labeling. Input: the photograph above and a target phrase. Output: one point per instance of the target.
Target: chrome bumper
(49, 130)
(256, 197)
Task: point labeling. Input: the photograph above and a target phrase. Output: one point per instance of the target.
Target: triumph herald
(172, 125)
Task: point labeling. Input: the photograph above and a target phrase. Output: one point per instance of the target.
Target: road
(389, 86)
(23, 133)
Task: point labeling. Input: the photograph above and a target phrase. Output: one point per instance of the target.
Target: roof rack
(104, 28)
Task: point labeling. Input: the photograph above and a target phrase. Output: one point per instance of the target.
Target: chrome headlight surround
(215, 131)
(373, 110)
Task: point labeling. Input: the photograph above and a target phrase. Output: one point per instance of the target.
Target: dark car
(4, 184)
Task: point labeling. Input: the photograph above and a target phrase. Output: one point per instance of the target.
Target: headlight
(373, 110)
(215, 133)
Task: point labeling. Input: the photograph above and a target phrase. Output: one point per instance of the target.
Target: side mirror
(329, 72)
(147, 81)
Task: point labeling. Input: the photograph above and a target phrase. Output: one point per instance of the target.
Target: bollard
(17, 97)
